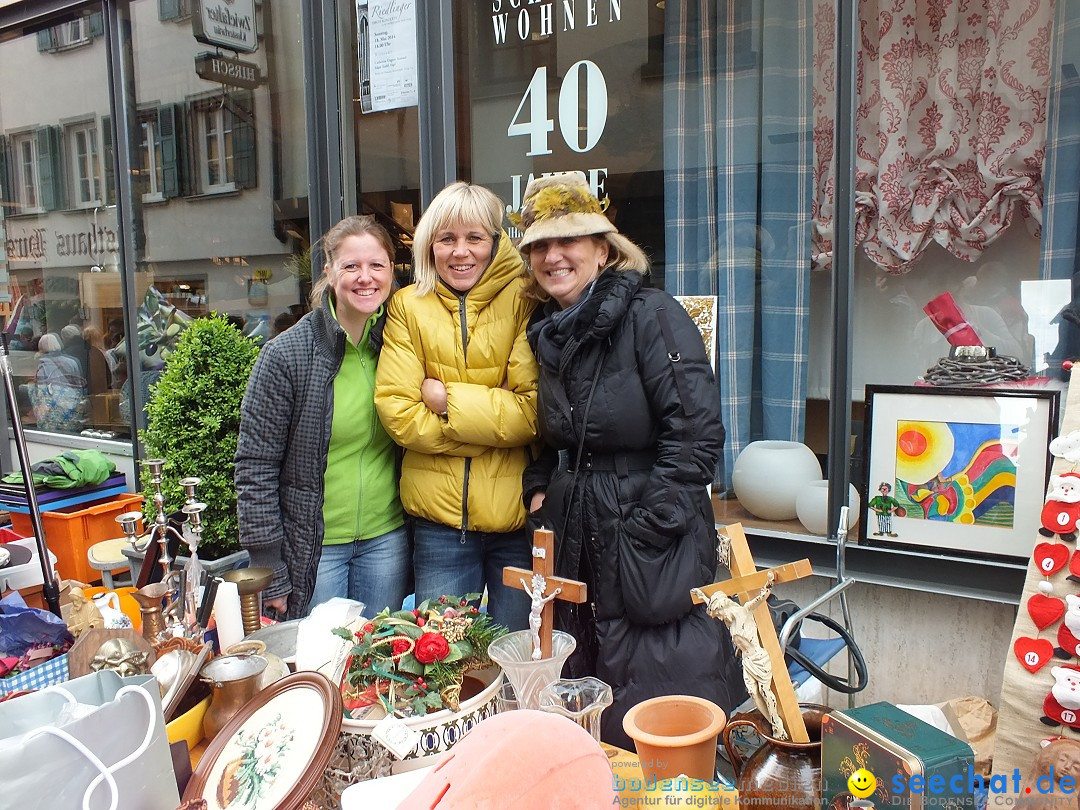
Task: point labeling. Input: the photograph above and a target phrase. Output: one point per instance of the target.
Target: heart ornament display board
(1040, 694)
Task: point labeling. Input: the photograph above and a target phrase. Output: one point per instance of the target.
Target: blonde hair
(331, 243)
(459, 203)
(623, 256)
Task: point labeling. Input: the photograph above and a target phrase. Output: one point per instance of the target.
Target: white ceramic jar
(768, 476)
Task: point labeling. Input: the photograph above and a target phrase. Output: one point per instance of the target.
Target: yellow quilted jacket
(463, 470)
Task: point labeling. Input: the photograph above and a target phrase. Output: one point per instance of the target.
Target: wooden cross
(746, 582)
(570, 590)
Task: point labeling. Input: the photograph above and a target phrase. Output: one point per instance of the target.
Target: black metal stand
(50, 585)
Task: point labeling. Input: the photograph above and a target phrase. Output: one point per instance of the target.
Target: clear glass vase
(513, 652)
(583, 700)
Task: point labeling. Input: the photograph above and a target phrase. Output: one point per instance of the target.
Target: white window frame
(213, 135)
(84, 154)
(25, 177)
(72, 34)
(150, 157)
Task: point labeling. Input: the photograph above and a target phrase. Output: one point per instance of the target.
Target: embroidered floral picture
(247, 777)
(702, 311)
(267, 755)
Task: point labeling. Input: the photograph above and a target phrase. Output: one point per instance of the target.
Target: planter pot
(812, 507)
(358, 756)
(675, 734)
(768, 476)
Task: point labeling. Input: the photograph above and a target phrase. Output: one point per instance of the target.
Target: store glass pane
(695, 122)
(219, 157)
(381, 161)
(966, 212)
(60, 234)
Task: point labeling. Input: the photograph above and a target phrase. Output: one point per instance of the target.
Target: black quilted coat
(652, 439)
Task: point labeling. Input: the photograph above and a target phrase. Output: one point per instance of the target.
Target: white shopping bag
(113, 755)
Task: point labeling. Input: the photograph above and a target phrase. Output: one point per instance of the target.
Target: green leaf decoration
(409, 664)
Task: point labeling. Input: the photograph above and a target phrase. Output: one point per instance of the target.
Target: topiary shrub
(192, 421)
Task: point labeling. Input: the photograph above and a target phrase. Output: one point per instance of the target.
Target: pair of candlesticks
(179, 604)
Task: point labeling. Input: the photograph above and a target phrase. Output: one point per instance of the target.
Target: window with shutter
(107, 159)
(170, 10)
(49, 171)
(242, 110)
(85, 161)
(7, 188)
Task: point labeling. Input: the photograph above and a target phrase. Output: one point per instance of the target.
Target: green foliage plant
(192, 421)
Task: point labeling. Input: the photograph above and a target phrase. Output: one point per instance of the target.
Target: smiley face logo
(862, 783)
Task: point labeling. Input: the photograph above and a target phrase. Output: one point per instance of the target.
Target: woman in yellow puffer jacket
(456, 387)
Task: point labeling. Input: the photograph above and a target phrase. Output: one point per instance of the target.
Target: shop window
(85, 162)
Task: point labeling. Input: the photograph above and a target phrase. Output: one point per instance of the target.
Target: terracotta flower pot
(675, 734)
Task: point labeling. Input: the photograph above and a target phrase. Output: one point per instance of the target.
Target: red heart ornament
(1034, 653)
(1045, 610)
(1050, 557)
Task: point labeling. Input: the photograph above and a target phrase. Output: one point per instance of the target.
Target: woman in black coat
(629, 411)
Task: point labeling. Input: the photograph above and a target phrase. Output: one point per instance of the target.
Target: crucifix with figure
(543, 588)
(764, 670)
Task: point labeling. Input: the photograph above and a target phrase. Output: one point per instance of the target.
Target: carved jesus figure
(757, 666)
(536, 594)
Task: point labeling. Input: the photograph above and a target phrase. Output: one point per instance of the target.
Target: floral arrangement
(413, 661)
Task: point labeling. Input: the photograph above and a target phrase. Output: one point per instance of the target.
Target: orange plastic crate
(70, 531)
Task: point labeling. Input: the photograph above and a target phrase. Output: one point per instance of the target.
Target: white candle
(230, 623)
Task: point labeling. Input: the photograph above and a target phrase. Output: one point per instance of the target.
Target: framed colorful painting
(957, 470)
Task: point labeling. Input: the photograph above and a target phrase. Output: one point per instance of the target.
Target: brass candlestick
(250, 583)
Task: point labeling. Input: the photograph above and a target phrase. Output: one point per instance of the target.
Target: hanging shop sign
(386, 43)
(223, 70)
(567, 85)
(226, 24)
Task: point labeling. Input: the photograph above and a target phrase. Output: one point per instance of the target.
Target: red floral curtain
(950, 124)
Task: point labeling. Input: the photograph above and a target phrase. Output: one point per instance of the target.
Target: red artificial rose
(431, 647)
(399, 646)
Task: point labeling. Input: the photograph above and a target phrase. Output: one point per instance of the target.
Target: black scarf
(555, 330)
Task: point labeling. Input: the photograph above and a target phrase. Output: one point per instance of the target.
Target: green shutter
(7, 191)
(167, 126)
(96, 25)
(44, 40)
(168, 10)
(242, 110)
(50, 173)
(107, 159)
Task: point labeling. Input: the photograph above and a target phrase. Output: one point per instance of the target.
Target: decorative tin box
(916, 766)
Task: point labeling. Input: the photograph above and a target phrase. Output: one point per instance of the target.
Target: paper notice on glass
(386, 43)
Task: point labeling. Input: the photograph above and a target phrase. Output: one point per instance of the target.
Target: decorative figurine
(536, 594)
(84, 614)
(122, 656)
(885, 506)
(757, 665)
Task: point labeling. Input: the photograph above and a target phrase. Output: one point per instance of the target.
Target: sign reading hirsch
(226, 23)
(223, 70)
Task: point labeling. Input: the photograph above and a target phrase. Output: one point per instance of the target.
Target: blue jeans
(447, 562)
(375, 572)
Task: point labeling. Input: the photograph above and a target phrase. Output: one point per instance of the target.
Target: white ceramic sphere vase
(812, 507)
(768, 476)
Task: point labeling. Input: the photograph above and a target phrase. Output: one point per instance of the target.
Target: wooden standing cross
(569, 590)
(746, 582)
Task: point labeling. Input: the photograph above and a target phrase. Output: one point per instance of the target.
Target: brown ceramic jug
(780, 775)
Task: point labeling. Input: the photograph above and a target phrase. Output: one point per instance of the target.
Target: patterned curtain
(950, 124)
(738, 192)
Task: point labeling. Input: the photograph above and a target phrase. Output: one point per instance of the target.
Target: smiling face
(361, 274)
(862, 783)
(564, 267)
(462, 253)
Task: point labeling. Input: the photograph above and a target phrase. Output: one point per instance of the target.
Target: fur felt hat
(560, 205)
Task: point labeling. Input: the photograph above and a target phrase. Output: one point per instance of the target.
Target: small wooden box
(916, 766)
